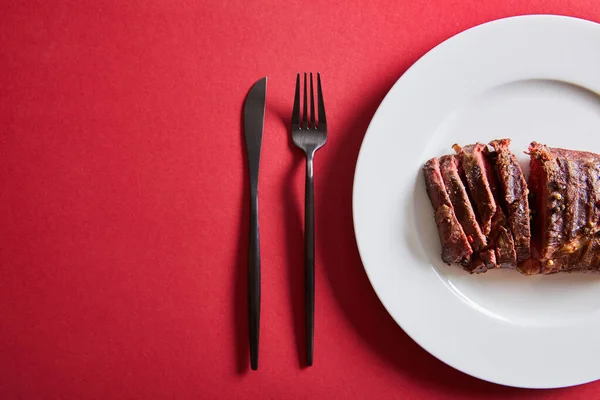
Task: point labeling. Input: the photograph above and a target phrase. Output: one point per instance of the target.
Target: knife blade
(254, 117)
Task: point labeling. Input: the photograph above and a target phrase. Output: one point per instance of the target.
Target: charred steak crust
(455, 245)
(473, 163)
(500, 237)
(514, 188)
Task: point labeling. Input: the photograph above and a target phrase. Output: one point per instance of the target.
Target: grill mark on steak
(455, 246)
(457, 193)
(537, 199)
(575, 200)
(580, 244)
(583, 215)
(515, 196)
(473, 163)
(504, 246)
(490, 160)
(593, 189)
(555, 231)
(548, 178)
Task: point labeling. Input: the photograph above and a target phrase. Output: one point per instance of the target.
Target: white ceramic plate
(527, 78)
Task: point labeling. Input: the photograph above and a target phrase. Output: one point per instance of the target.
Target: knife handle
(254, 279)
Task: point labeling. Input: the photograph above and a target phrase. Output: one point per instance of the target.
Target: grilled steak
(501, 237)
(460, 201)
(482, 209)
(506, 256)
(482, 261)
(515, 192)
(566, 184)
(473, 162)
(455, 246)
(485, 192)
(483, 258)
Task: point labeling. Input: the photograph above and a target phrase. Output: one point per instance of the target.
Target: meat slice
(565, 184)
(485, 191)
(505, 248)
(488, 257)
(473, 162)
(514, 188)
(500, 237)
(548, 182)
(481, 262)
(457, 192)
(455, 245)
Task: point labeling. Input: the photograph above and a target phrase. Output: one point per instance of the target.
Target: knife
(254, 117)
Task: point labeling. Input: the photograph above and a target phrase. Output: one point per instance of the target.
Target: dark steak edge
(473, 163)
(457, 193)
(500, 237)
(548, 181)
(455, 245)
(515, 193)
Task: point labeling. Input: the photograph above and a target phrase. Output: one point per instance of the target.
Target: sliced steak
(457, 192)
(482, 208)
(514, 188)
(506, 256)
(489, 258)
(500, 237)
(547, 179)
(474, 165)
(455, 245)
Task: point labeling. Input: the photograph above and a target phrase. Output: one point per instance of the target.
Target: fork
(309, 138)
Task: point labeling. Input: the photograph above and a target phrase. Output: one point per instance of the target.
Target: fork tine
(305, 117)
(312, 104)
(321, 103)
(296, 109)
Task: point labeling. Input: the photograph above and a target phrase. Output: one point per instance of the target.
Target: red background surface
(123, 205)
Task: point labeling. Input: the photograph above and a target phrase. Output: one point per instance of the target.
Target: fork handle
(309, 259)
(254, 279)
